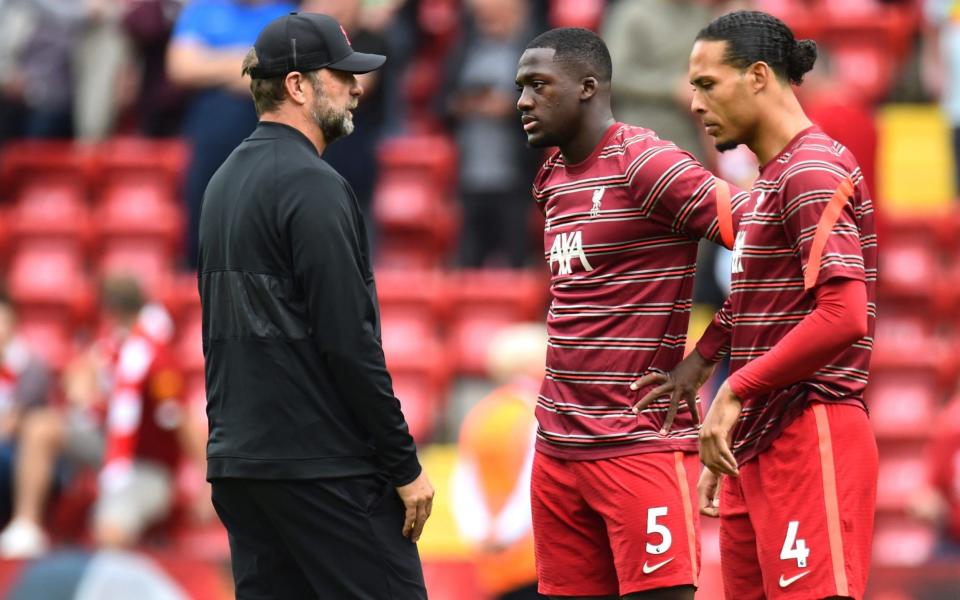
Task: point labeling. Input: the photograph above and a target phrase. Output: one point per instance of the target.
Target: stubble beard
(333, 123)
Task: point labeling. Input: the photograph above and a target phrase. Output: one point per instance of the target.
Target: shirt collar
(273, 130)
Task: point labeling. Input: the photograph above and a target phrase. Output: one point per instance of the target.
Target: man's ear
(760, 76)
(294, 84)
(588, 87)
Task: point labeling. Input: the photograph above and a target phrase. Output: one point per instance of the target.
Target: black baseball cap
(307, 42)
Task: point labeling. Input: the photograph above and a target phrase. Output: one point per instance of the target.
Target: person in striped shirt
(612, 489)
(788, 431)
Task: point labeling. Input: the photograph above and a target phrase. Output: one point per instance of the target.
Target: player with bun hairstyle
(788, 432)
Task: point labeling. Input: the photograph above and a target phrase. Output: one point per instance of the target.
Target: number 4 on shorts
(794, 548)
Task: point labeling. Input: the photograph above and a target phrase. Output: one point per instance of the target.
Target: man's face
(335, 94)
(549, 102)
(721, 97)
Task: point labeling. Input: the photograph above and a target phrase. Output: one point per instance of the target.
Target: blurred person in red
(124, 416)
(490, 487)
(25, 386)
(939, 502)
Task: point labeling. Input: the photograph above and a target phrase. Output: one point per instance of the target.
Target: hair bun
(802, 57)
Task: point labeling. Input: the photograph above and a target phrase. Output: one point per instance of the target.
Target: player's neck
(299, 121)
(778, 129)
(586, 141)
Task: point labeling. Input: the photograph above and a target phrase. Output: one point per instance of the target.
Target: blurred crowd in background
(114, 114)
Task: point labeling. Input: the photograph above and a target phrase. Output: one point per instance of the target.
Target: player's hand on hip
(717, 431)
(682, 383)
(708, 493)
(417, 497)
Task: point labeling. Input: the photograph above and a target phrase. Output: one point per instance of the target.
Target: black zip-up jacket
(297, 386)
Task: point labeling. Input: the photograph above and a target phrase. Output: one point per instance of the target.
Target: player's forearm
(714, 344)
(839, 320)
(191, 65)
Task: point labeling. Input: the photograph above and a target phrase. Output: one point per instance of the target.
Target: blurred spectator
(159, 104)
(206, 52)
(125, 416)
(24, 387)
(99, 61)
(16, 25)
(355, 156)
(491, 480)
(939, 503)
(495, 166)
(650, 43)
(44, 57)
(941, 65)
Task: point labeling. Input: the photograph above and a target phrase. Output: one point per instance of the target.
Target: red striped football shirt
(620, 238)
(811, 220)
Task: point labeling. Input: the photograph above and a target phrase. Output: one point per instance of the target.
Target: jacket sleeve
(321, 219)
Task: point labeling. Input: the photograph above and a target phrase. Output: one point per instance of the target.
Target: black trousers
(330, 539)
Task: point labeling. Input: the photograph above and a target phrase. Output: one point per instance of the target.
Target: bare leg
(41, 442)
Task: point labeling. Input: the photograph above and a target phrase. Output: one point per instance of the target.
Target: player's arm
(322, 224)
(685, 380)
(192, 62)
(688, 199)
(323, 232)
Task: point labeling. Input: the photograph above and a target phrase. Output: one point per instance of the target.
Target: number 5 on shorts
(794, 548)
(654, 527)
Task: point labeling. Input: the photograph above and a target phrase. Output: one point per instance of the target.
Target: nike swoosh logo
(785, 582)
(647, 569)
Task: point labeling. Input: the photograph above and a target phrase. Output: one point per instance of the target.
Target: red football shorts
(798, 521)
(615, 526)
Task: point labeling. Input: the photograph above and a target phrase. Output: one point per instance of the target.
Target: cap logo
(345, 36)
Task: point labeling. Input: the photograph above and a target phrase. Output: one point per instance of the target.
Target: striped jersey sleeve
(819, 218)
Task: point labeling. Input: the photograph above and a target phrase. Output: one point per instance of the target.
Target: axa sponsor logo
(566, 248)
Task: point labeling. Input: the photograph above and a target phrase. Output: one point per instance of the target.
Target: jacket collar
(267, 130)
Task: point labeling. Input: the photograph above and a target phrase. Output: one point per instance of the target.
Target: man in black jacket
(314, 472)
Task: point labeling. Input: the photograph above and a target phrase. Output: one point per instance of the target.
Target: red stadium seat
(903, 404)
(420, 293)
(47, 334)
(576, 13)
(145, 261)
(50, 210)
(428, 157)
(451, 580)
(420, 400)
(902, 473)
(400, 250)
(50, 275)
(902, 543)
(484, 301)
(140, 210)
(161, 162)
(36, 160)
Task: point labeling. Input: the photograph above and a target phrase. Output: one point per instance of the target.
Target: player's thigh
(648, 505)
(262, 567)
(815, 492)
(739, 563)
(347, 536)
(570, 539)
